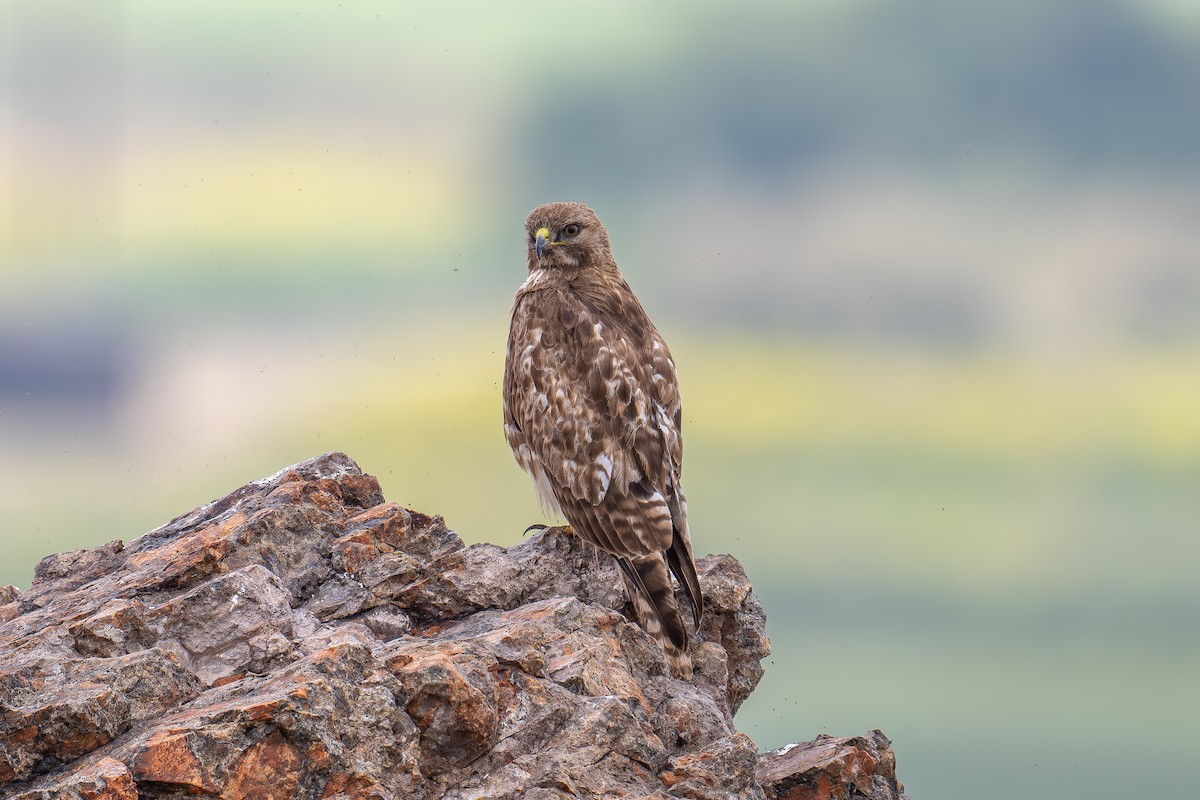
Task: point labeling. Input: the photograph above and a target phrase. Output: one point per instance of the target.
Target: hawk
(592, 413)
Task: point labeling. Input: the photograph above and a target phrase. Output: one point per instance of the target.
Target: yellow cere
(545, 234)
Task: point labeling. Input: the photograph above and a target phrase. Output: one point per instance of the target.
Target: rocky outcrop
(304, 638)
(831, 768)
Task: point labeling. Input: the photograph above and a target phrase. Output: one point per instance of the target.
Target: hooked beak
(542, 241)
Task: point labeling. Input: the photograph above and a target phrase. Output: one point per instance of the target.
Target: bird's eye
(571, 231)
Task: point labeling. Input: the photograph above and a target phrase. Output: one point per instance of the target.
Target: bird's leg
(557, 530)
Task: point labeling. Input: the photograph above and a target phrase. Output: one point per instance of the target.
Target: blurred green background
(930, 270)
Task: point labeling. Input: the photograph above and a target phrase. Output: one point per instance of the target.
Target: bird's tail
(649, 587)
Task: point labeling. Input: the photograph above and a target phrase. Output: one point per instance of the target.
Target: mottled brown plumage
(592, 413)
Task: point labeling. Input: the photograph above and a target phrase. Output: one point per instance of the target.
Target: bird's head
(566, 235)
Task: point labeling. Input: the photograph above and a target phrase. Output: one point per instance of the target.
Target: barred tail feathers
(679, 554)
(652, 595)
(679, 558)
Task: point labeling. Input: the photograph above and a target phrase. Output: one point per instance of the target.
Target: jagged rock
(304, 638)
(8, 603)
(832, 768)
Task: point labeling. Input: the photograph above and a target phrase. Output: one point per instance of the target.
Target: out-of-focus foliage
(930, 271)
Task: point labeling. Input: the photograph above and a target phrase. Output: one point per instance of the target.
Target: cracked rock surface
(303, 638)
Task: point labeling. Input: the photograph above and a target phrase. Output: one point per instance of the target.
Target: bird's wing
(584, 403)
(591, 394)
(658, 443)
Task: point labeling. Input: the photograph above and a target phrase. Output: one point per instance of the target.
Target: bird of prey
(592, 413)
